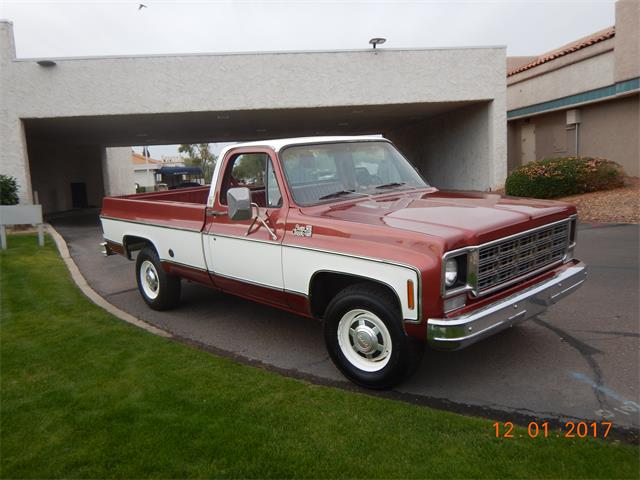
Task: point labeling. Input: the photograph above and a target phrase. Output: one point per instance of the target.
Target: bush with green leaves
(8, 190)
(558, 177)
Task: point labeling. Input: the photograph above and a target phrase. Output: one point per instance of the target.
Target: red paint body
(410, 227)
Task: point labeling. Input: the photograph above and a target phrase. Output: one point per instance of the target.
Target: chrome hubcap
(152, 280)
(149, 279)
(364, 340)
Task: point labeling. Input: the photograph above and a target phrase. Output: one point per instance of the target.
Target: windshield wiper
(337, 194)
(391, 185)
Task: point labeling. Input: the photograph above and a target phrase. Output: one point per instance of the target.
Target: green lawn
(86, 395)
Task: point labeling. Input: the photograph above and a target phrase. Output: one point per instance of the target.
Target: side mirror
(239, 200)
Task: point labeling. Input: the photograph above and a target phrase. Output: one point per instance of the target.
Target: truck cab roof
(279, 143)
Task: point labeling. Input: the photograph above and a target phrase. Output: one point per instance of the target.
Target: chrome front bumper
(459, 332)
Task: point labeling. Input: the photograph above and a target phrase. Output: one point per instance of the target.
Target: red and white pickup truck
(345, 230)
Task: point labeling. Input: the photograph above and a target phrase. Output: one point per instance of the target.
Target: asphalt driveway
(579, 360)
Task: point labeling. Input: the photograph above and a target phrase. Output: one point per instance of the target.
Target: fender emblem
(302, 231)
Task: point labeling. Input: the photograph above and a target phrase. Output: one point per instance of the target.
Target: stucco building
(61, 117)
(144, 171)
(581, 99)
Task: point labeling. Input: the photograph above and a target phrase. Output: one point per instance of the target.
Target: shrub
(8, 190)
(557, 177)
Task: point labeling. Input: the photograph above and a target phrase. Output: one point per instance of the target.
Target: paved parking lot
(578, 360)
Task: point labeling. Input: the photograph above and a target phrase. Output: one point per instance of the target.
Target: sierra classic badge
(302, 231)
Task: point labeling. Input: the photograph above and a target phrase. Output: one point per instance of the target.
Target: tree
(199, 155)
(249, 168)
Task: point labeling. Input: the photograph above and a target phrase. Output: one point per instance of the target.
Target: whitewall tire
(365, 338)
(158, 289)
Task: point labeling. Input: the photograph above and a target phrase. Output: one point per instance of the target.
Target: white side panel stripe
(259, 262)
(299, 265)
(186, 245)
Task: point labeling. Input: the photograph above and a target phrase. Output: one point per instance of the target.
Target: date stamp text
(543, 429)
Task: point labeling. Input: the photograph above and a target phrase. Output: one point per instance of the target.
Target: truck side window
(246, 170)
(274, 196)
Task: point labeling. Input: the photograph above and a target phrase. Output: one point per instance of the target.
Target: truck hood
(460, 218)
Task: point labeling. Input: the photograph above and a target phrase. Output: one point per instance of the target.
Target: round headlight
(450, 272)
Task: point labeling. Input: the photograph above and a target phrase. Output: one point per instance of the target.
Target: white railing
(20, 215)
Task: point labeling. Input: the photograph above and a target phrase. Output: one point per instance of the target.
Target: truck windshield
(325, 172)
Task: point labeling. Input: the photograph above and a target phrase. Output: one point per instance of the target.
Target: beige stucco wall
(117, 171)
(220, 82)
(588, 74)
(103, 86)
(599, 65)
(144, 179)
(513, 145)
(611, 130)
(607, 129)
(14, 159)
(552, 137)
(627, 40)
(609, 125)
(453, 148)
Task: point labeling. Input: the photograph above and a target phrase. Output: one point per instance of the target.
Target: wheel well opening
(132, 243)
(326, 285)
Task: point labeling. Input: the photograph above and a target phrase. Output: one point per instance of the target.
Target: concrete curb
(90, 293)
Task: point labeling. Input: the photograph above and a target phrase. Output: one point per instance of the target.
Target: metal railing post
(3, 237)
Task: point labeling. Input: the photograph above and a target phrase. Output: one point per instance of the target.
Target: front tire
(365, 339)
(159, 290)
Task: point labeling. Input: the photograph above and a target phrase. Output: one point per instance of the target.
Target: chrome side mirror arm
(258, 218)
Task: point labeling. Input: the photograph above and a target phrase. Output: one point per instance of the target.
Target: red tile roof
(138, 159)
(597, 37)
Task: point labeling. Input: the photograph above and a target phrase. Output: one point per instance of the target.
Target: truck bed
(183, 195)
(182, 209)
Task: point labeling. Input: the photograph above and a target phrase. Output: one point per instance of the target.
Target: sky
(94, 28)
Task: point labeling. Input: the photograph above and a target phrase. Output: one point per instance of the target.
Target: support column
(117, 171)
(13, 154)
(14, 157)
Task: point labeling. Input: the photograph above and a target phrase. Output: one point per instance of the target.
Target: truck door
(243, 256)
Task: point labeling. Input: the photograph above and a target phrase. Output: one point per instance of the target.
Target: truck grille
(502, 261)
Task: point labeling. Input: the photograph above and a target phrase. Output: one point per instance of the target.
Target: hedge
(8, 190)
(557, 177)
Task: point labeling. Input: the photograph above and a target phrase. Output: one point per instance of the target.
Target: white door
(236, 251)
(528, 143)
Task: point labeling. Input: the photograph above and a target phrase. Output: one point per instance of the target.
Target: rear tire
(365, 339)
(159, 290)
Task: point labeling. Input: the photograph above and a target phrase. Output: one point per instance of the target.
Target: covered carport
(444, 108)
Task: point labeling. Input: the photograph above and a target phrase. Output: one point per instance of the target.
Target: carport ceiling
(193, 127)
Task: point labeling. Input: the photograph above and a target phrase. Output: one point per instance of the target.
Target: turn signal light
(411, 301)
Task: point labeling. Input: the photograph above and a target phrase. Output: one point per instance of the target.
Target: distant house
(580, 99)
(144, 169)
(170, 172)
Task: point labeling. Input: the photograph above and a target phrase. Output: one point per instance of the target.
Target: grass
(85, 395)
